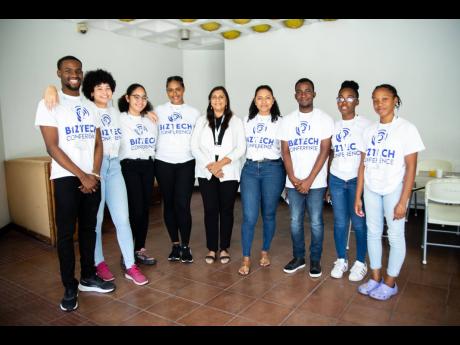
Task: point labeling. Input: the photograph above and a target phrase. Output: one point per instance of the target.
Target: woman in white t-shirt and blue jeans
(343, 171)
(386, 174)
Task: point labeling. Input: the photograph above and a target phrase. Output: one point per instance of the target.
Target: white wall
(203, 69)
(421, 58)
(29, 50)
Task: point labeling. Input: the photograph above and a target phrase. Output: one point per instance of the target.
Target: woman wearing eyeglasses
(137, 152)
(175, 167)
(343, 171)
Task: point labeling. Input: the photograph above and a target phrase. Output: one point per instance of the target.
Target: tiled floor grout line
(302, 301)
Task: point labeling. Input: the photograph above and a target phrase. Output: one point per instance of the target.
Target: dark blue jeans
(260, 186)
(313, 202)
(343, 201)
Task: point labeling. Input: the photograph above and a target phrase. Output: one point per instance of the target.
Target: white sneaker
(358, 271)
(340, 266)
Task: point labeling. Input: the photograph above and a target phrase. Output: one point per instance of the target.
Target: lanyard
(217, 131)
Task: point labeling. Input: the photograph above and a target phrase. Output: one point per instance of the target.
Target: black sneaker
(142, 257)
(70, 300)
(186, 254)
(175, 253)
(96, 284)
(315, 269)
(294, 265)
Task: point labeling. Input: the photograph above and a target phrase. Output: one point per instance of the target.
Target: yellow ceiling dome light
(231, 35)
(241, 21)
(188, 20)
(293, 23)
(261, 27)
(211, 26)
(126, 20)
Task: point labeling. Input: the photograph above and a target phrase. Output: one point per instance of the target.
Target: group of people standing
(104, 156)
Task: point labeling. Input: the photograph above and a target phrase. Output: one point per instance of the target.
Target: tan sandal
(264, 259)
(245, 268)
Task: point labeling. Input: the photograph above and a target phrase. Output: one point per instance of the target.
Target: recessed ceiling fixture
(261, 27)
(241, 21)
(188, 20)
(294, 23)
(232, 34)
(211, 26)
(126, 20)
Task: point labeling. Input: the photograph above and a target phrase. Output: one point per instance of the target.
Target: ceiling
(169, 31)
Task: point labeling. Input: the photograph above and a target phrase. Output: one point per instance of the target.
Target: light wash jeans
(378, 206)
(313, 202)
(113, 192)
(343, 202)
(261, 186)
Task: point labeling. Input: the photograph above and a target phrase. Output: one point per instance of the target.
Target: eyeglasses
(138, 97)
(348, 99)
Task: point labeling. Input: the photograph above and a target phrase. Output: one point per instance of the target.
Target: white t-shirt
(304, 132)
(347, 138)
(76, 121)
(109, 119)
(261, 137)
(175, 127)
(385, 146)
(139, 137)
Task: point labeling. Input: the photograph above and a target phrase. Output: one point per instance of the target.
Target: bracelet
(94, 174)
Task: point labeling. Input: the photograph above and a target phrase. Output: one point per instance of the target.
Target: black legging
(139, 175)
(176, 183)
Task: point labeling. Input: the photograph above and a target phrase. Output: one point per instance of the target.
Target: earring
(211, 108)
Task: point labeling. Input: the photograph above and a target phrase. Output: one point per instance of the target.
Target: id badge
(217, 150)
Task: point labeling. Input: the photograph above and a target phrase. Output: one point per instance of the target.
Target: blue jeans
(261, 186)
(313, 202)
(343, 201)
(379, 206)
(113, 192)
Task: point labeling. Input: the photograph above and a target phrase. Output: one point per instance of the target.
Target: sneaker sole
(92, 288)
(173, 259)
(127, 276)
(295, 269)
(64, 309)
(355, 280)
(186, 261)
(315, 275)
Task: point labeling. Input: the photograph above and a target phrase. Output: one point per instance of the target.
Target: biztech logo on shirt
(80, 131)
(108, 133)
(175, 127)
(377, 155)
(142, 143)
(259, 142)
(344, 149)
(304, 143)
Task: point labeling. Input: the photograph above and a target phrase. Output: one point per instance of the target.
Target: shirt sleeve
(328, 129)
(413, 141)
(45, 117)
(282, 131)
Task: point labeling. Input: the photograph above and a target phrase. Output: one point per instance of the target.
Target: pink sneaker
(135, 274)
(103, 272)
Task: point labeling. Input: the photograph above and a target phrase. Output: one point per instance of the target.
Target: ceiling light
(232, 34)
(126, 20)
(241, 21)
(188, 20)
(293, 23)
(261, 27)
(211, 26)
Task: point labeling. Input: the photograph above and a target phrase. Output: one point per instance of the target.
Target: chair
(426, 165)
(442, 206)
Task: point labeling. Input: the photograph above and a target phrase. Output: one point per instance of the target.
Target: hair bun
(350, 84)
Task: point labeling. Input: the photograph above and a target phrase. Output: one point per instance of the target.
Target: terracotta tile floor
(201, 294)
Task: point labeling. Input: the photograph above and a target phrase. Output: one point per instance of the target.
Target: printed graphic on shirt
(80, 131)
(377, 153)
(176, 126)
(344, 148)
(107, 132)
(142, 142)
(259, 140)
(305, 142)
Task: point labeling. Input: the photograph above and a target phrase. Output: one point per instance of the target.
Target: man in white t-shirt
(305, 136)
(73, 140)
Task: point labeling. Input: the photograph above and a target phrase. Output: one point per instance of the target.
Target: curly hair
(95, 78)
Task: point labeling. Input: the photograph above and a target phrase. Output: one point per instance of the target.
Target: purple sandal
(384, 292)
(371, 284)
